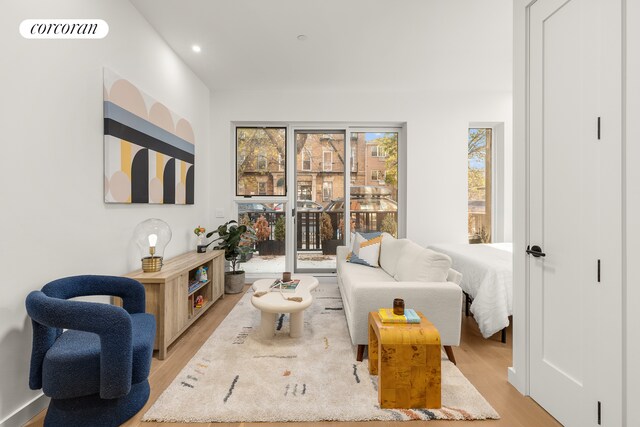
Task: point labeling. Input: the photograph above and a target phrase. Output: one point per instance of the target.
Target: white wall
(53, 219)
(632, 211)
(437, 126)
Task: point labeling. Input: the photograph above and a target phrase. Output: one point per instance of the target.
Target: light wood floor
(483, 362)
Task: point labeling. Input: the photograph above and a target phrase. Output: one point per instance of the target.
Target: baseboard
(20, 416)
(515, 380)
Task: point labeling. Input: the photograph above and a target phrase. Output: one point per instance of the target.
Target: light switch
(219, 213)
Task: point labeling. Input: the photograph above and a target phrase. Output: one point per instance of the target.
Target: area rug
(239, 377)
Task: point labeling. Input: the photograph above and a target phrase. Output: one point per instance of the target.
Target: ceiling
(383, 45)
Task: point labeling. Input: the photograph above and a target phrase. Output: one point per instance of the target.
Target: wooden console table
(407, 359)
(172, 300)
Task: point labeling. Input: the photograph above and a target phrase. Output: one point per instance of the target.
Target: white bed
(487, 277)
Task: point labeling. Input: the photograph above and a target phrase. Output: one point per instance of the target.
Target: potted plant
(263, 232)
(199, 232)
(245, 220)
(389, 225)
(279, 233)
(329, 244)
(236, 241)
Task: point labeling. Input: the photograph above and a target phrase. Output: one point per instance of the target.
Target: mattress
(487, 276)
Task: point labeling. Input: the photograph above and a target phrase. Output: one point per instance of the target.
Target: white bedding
(488, 277)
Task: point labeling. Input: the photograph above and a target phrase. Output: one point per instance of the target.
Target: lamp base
(151, 264)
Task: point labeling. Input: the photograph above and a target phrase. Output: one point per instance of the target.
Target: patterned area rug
(238, 377)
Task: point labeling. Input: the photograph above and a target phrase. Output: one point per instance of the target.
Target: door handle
(536, 251)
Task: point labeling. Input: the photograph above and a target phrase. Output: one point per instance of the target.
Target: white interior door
(574, 211)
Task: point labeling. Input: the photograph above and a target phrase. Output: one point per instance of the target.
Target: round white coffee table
(273, 303)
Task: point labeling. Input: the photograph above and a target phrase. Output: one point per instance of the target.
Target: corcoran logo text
(64, 28)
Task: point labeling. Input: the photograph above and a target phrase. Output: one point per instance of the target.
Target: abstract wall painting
(149, 151)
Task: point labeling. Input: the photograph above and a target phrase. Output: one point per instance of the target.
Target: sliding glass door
(297, 186)
(320, 181)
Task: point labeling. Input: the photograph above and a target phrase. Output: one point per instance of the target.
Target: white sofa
(422, 277)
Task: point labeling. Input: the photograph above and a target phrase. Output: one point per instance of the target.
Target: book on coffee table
(280, 286)
(387, 316)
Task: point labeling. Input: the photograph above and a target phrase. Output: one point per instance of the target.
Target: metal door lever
(536, 251)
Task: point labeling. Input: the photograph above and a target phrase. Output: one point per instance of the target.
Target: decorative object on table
(282, 286)
(199, 232)
(387, 315)
(152, 236)
(149, 150)
(199, 301)
(236, 241)
(398, 306)
(326, 383)
(83, 355)
(201, 274)
(286, 276)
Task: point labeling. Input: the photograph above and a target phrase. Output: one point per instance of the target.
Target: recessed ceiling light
(196, 48)
(302, 37)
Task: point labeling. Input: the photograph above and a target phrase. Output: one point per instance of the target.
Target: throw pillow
(390, 251)
(417, 264)
(366, 249)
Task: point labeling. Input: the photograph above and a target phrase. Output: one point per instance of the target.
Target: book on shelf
(280, 286)
(194, 285)
(387, 316)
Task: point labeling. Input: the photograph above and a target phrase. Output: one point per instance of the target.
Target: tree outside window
(259, 153)
(479, 184)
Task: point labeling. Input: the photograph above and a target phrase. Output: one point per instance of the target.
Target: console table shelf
(169, 298)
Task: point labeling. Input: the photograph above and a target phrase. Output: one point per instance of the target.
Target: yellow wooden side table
(407, 359)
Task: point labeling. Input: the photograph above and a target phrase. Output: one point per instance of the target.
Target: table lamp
(152, 236)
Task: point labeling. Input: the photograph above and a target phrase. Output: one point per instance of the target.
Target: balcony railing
(308, 225)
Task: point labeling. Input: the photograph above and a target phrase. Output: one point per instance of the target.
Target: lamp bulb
(153, 239)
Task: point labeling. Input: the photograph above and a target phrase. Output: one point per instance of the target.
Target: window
(327, 191)
(306, 160)
(377, 175)
(327, 161)
(258, 151)
(262, 162)
(304, 191)
(377, 151)
(479, 179)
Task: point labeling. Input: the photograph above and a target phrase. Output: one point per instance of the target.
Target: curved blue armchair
(96, 370)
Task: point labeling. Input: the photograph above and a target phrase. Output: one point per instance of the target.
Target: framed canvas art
(149, 151)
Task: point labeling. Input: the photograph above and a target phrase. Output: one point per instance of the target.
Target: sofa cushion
(422, 265)
(352, 274)
(390, 250)
(366, 249)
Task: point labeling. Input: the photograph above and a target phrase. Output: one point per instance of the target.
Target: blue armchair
(96, 371)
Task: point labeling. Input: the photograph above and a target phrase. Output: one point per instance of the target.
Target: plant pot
(329, 247)
(270, 247)
(233, 282)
